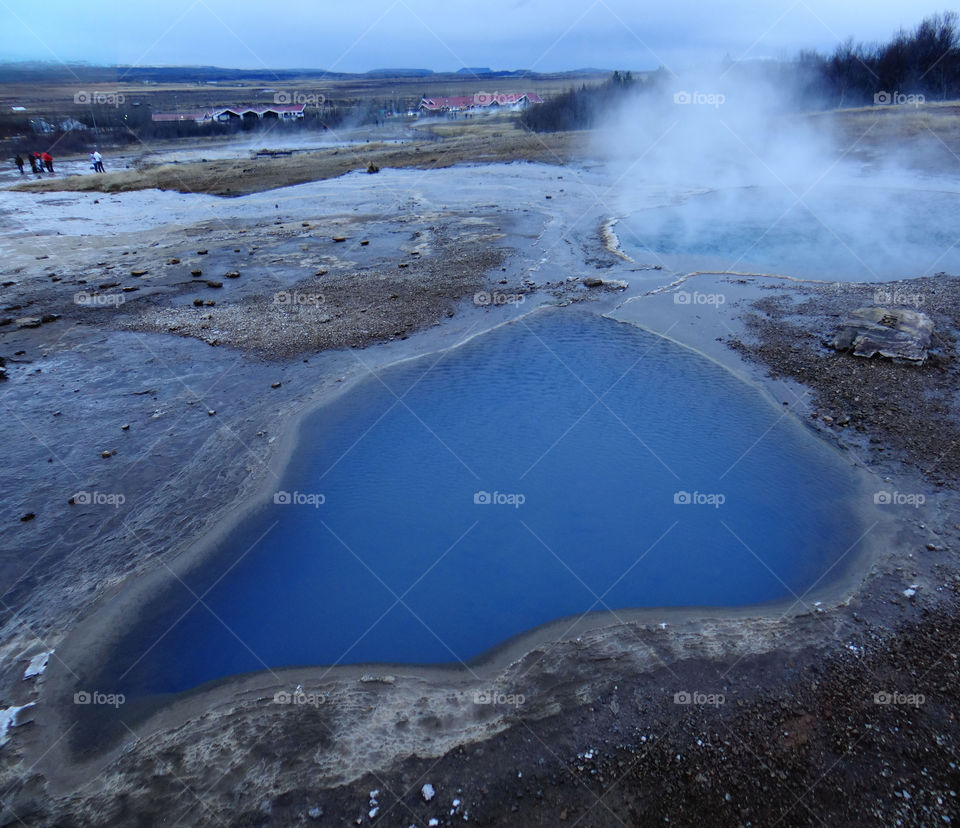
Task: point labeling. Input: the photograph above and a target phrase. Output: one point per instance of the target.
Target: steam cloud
(725, 170)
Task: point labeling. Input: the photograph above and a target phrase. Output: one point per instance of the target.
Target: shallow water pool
(560, 464)
(850, 233)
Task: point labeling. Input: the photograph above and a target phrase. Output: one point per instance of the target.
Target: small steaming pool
(850, 233)
(561, 464)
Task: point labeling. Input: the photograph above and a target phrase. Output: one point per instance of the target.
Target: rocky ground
(899, 408)
(803, 741)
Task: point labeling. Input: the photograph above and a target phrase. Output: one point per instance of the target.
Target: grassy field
(926, 136)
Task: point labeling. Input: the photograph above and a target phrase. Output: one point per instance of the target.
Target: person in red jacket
(48, 161)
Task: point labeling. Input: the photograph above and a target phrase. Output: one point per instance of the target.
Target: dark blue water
(595, 425)
(846, 234)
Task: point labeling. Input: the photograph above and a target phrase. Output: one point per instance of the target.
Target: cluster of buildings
(482, 101)
(282, 112)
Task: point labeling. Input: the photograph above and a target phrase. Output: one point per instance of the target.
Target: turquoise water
(584, 432)
(845, 234)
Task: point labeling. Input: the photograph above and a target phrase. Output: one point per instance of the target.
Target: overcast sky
(354, 36)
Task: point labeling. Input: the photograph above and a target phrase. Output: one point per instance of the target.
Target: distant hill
(526, 73)
(400, 73)
(35, 71)
(79, 73)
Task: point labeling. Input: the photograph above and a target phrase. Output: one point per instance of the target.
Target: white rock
(37, 665)
(427, 792)
(8, 719)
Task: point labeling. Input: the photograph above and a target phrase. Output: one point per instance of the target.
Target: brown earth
(899, 407)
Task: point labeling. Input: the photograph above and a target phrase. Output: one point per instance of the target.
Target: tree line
(923, 63)
(581, 108)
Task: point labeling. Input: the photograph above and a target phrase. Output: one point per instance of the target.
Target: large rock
(899, 334)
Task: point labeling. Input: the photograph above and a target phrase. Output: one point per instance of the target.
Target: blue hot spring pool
(560, 464)
(850, 233)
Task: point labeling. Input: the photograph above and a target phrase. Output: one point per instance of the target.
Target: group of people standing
(39, 161)
(43, 161)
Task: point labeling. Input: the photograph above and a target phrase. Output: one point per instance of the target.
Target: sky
(442, 35)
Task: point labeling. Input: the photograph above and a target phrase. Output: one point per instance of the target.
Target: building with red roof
(284, 112)
(480, 101)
